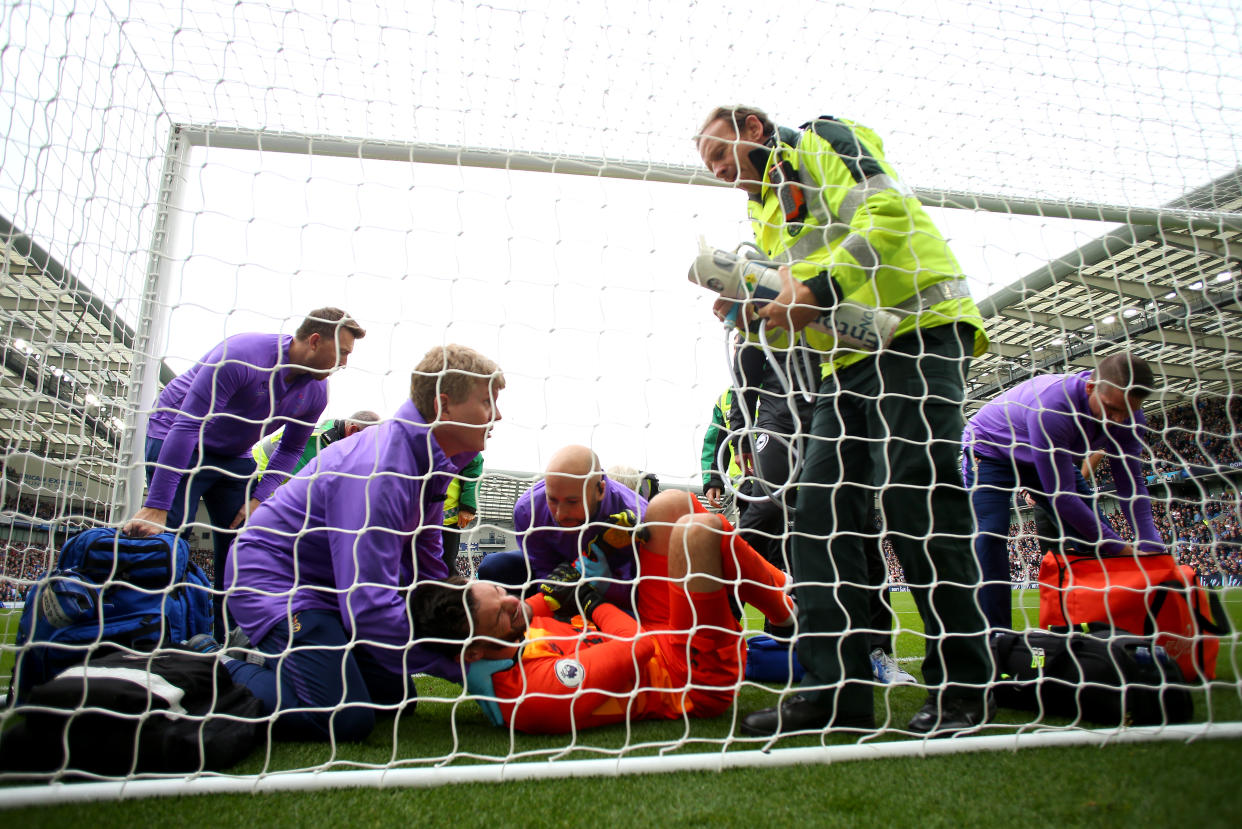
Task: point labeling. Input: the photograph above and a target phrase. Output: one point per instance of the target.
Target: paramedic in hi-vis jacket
(866, 262)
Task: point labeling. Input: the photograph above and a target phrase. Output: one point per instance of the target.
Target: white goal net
(521, 178)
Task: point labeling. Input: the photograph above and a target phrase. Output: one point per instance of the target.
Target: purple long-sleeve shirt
(546, 544)
(359, 524)
(1045, 423)
(239, 392)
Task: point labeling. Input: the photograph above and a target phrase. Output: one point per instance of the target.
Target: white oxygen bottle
(735, 276)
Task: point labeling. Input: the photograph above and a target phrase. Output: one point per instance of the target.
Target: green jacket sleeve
(717, 434)
(470, 485)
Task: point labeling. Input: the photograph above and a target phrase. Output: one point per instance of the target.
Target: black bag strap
(1063, 565)
(1003, 644)
(1218, 625)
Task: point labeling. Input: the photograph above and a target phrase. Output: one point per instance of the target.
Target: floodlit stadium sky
(577, 286)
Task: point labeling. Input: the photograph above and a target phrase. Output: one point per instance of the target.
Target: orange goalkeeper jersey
(571, 676)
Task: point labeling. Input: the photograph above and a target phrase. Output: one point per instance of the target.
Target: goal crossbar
(1165, 218)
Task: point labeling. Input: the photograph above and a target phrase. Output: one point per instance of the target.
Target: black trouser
(891, 422)
(451, 538)
(774, 444)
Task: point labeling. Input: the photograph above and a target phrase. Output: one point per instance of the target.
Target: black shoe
(797, 713)
(950, 716)
(201, 643)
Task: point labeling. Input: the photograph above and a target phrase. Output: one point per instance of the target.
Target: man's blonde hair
(453, 370)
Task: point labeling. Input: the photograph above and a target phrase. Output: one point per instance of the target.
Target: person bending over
(1032, 436)
(206, 420)
(575, 514)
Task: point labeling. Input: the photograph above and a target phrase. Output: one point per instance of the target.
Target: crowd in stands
(206, 560)
(1024, 556)
(1202, 433)
(27, 508)
(1207, 536)
(20, 566)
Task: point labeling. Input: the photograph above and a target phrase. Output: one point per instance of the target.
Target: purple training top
(545, 544)
(347, 534)
(239, 392)
(1045, 423)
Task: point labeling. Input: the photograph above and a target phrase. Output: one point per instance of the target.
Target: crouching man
(319, 578)
(566, 658)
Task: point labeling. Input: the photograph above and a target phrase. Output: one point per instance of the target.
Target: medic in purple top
(205, 421)
(321, 573)
(579, 515)
(1034, 436)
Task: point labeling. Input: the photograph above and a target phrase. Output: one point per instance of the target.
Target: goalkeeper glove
(618, 538)
(559, 586)
(623, 532)
(589, 598)
(567, 595)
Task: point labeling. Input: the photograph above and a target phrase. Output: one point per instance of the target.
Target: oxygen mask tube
(748, 276)
(774, 494)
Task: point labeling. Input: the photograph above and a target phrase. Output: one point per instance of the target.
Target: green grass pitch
(1119, 785)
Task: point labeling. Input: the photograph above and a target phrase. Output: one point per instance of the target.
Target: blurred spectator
(21, 565)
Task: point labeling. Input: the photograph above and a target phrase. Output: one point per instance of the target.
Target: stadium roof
(67, 360)
(1168, 292)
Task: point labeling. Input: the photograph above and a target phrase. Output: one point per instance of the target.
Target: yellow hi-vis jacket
(862, 228)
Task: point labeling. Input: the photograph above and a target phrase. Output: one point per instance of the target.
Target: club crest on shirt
(569, 672)
(761, 442)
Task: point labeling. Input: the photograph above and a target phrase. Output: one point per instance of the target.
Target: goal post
(181, 167)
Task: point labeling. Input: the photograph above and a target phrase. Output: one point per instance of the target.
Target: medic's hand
(794, 307)
(146, 522)
(714, 495)
(744, 315)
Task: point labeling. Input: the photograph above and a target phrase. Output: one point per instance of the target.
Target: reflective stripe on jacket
(863, 228)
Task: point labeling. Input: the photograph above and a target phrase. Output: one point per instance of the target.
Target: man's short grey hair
(627, 475)
(1129, 373)
(366, 417)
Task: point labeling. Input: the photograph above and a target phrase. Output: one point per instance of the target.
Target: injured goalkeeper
(565, 659)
